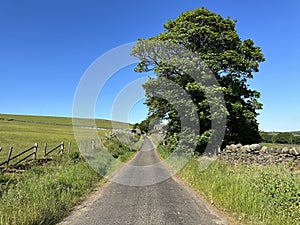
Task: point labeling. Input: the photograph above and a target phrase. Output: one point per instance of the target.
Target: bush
(121, 144)
(115, 147)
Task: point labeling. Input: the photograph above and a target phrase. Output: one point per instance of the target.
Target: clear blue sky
(46, 46)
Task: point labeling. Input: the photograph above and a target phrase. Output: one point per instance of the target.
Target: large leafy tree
(231, 60)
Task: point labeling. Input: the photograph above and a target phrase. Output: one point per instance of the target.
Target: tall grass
(267, 195)
(253, 195)
(43, 195)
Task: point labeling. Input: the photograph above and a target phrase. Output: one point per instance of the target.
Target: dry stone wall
(257, 154)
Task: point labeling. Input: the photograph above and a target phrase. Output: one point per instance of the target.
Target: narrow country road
(166, 202)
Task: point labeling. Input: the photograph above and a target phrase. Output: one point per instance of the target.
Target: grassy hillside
(23, 132)
(58, 120)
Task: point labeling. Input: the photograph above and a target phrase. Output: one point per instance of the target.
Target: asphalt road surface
(144, 192)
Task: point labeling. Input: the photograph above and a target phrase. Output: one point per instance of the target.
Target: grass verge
(43, 195)
(251, 195)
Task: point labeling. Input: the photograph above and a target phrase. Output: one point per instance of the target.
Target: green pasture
(22, 132)
(278, 145)
(62, 121)
(44, 194)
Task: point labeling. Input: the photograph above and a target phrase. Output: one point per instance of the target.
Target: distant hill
(63, 121)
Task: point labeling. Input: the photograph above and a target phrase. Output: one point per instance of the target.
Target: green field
(43, 193)
(60, 120)
(278, 145)
(22, 132)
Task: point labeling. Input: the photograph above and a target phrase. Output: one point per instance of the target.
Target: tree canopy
(231, 60)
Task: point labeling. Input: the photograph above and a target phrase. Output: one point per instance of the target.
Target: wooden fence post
(45, 149)
(34, 151)
(9, 155)
(93, 145)
(69, 147)
(62, 147)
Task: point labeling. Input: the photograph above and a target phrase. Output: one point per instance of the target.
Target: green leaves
(211, 62)
(281, 194)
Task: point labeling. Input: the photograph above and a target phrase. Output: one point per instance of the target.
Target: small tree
(144, 126)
